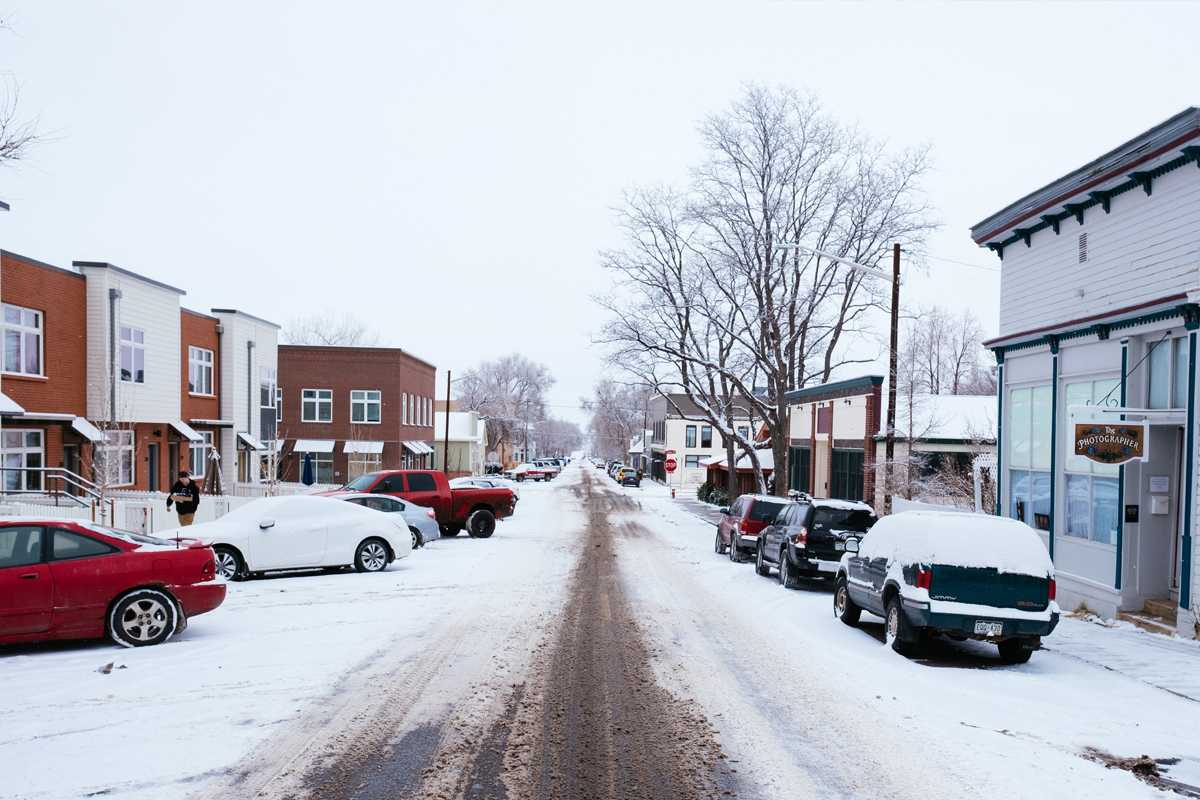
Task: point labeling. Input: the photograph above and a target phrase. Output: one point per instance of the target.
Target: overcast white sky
(447, 170)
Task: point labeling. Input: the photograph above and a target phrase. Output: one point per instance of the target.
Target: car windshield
(843, 519)
(765, 511)
(362, 482)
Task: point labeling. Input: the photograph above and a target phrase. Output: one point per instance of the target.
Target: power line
(964, 263)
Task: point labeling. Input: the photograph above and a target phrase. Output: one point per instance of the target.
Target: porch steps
(1156, 616)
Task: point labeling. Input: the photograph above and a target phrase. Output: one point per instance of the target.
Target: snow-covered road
(298, 682)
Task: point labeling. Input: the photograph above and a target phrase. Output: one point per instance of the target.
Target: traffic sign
(671, 464)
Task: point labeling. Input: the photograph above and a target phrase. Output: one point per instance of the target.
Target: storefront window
(1092, 507)
(1030, 416)
(1168, 373)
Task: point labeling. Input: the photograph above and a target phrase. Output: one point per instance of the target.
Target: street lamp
(890, 436)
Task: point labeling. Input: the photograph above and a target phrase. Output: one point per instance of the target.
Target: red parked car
(66, 579)
(473, 508)
(741, 522)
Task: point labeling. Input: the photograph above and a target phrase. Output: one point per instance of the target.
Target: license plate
(989, 628)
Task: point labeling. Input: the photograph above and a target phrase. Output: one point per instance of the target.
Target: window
(316, 405)
(65, 545)
(1168, 362)
(200, 370)
(691, 462)
(198, 454)
(689, 436)
(1092, 507)
(133, 355)
(359, 464)
(21, 451)
(22, 340)
(387, 504)
(744, 431)
(322, 466)
(278, 404)
(266, 387)
(847, 474)
(421, 482)
(404, 408)
(114, 459)
(1029, 455)
(20, 546)
(706, 436)
(365, 406)
(1092, 393)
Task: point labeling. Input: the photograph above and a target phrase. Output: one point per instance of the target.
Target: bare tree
(510, 393)
(329, 328)
(17, 136)
(618, 415)
(950, 351)
(558, 437)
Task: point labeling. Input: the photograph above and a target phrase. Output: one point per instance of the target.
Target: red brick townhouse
(353, 410)
(45, 367)
(200, 391)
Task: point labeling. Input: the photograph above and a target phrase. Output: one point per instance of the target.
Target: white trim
(318, 400)
(366, 402)
(197, 361)
(249, 442)
(87, 430)
(39, 330)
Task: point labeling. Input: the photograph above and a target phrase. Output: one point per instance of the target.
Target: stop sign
(671, 464)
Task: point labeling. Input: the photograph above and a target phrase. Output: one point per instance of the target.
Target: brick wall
(199, 330)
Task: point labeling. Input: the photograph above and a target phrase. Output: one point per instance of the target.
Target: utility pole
(446, 437)
(890, 439)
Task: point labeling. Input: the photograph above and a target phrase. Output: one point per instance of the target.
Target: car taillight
(1053, 589)
(209, 570)
(800, 539)
(924, 578)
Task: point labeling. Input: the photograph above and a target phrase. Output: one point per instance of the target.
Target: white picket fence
(280, 489)
(143, 512)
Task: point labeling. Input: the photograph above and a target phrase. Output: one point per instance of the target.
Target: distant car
(274, 534)
(422, 521)
(473, 508)
(628, 476)
(66, 579)
(742, 521)
(808, 538)
(528, 472)
(550, 466)
(964, 576)
(487, 482)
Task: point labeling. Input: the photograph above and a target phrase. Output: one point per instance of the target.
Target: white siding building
(1100, 282)
(679, 430)
(249, 379)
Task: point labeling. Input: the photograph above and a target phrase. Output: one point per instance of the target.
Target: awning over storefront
(373, 448)
(87, 430)
(248, 442)
(185, 430)
(213, 423)
(313, 446)
(9, 407)
(418, 448)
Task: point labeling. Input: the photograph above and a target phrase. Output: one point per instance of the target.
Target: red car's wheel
(143, 617)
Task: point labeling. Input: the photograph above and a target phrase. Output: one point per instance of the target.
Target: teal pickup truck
(963, 576)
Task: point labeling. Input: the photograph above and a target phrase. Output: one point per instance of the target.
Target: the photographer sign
(1109, 443)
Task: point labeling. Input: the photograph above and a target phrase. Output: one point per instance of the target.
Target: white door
(289, 543)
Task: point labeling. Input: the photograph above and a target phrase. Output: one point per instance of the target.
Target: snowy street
(594, 647)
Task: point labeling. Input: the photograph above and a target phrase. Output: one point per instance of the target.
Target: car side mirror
(852, 545)
(266, 523)
(725, 509)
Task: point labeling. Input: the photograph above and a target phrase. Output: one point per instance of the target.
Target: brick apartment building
(353, 410)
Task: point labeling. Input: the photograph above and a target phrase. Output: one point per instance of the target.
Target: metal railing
(57, 483)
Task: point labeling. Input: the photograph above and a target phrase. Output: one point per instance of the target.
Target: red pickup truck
(474, 508)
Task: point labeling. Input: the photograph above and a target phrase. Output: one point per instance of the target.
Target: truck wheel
(719, 546)
(788, 578)
(1012, 651)
(481, 524)
(844, 608)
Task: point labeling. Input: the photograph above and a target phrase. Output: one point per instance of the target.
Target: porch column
(1121, 476)
(1053, 342)
(997, 478)
(1192, 321)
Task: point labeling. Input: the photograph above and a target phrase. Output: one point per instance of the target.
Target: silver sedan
(421, 520)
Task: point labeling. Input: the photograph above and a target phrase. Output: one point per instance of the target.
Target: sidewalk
(1164, 662)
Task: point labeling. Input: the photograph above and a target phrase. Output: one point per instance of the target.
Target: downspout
(113, 296)
(250, 387)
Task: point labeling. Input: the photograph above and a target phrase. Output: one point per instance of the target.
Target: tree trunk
(779, 447)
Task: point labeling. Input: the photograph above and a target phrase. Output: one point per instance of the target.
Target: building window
(706, 436)
(133, 355)
(1168, 373)
(22, 451)
(1092, 503)
(404, 408)
(22, 340)
(744, 431)
(278, 404)
(365, 405)
(198, 454)
(358, 464)
(691, 462)
(200, 370)
(266, 387)
(322, 466)
(114, 459)
(316, 405)
(689, 436)
(1030, 414)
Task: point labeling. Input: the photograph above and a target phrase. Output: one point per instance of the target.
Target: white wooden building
(1100, 282)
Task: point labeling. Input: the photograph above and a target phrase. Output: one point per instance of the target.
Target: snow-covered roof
(959, 417)
(766, 459)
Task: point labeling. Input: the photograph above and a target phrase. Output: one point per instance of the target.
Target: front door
(26, 586)
(152, 459)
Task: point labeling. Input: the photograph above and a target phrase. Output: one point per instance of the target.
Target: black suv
(808, 538)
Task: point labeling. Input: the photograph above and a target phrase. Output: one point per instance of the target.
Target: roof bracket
(1025, 234)
(1103, 198)
(1077, 210)
(1052, 221)
(1102, 331)
(997, 248)
(1143, 179)
(1193, 152)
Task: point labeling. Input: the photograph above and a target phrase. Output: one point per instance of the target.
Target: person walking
(185, 494)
